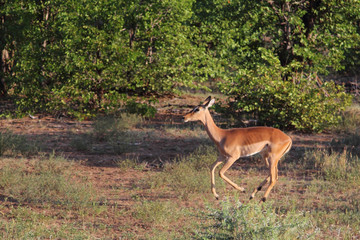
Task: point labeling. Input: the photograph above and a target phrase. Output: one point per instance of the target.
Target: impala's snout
(186, 118)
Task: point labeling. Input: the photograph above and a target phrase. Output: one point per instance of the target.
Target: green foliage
(254, 221)
(78, 58)
(84, 57)
(287, 105)
(275, 55)
(142, 109)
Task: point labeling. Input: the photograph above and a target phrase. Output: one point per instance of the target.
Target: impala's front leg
(230, 161)
(213, 167)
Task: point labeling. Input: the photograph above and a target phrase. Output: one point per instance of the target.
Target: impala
(234, 143)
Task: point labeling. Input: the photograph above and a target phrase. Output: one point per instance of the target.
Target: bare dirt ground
(55, 135)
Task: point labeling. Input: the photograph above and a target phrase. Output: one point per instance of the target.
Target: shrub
(84, 62)
(142, 109)
(254, 221)
(301, 105)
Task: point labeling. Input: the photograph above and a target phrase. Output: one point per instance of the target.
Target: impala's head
(198, 112)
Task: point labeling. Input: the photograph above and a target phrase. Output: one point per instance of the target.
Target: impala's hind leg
(259, 187)
(273, 179)
(275, 155)
(266, 157)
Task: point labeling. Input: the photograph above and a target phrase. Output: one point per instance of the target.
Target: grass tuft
(350, 120)
(130, 163)
(350, 142)
(333, 166)
(106, 128)
(156, 212)
(27, 224)
(12, 145)
(109, 135)
(189, 175)
(46, 180)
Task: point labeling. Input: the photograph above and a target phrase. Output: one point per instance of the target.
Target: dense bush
(80, 58)
(304, 106)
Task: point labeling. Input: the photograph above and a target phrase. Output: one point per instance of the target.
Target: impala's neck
(214, 132)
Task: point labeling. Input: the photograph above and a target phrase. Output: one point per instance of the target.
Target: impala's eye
(196, 110)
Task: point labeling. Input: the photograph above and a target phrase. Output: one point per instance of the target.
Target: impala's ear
(210, 102)
(207, 100)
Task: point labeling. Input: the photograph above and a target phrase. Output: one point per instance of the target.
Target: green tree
(277, 54)
(28, 36)
(163, 55)
(81, 57)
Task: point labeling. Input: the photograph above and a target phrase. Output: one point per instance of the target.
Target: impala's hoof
(263, 199)
(251, 197)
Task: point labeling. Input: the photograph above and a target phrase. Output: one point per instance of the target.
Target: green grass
(327, 206)
(194, 130)
(43, 198)
(349, 142)
(157, 213)
(105, 128)
(350, 128)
